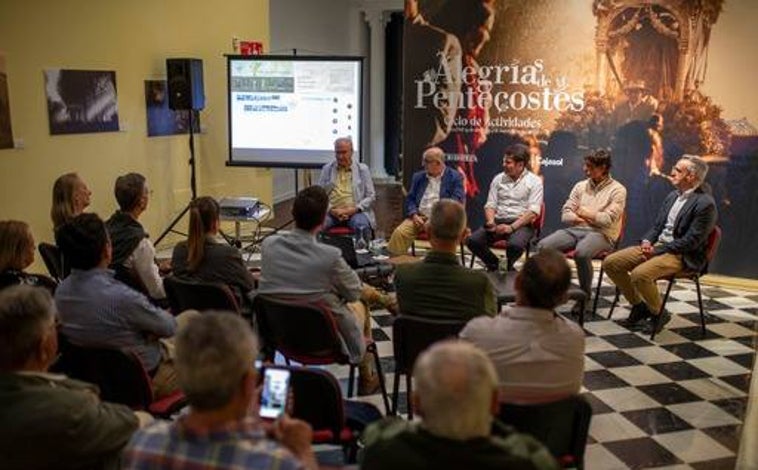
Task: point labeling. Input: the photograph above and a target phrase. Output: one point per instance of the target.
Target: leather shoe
(661, 322)
(368, 385)
(639, 312)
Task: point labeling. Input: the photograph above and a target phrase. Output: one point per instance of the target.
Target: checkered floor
(676, 402)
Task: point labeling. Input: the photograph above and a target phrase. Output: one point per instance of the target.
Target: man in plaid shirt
(215, 354)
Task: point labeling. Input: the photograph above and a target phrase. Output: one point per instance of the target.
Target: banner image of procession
(649, 80)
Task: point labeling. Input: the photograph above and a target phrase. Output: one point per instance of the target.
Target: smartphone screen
(275, 390)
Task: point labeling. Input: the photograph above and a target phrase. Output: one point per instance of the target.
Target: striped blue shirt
(98, 311)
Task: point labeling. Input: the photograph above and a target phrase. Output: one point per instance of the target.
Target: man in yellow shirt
(350, 187)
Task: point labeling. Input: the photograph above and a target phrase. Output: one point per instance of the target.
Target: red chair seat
(339, 230)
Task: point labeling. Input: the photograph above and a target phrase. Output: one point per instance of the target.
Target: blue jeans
(357, 222)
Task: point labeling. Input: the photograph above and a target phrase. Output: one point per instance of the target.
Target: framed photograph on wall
(6, 133)
(81, 101)
(160, 119)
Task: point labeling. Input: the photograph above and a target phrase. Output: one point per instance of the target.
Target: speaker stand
(193, 183)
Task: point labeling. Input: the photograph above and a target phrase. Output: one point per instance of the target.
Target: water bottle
(502, 266)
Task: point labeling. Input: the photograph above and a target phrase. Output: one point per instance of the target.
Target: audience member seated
(428, 186)
(205, 257)
(456, 397)
(48, 420)
(439, 286)
(513, 203)
(538, 355)
(96, 310)
(16, 254)
(593, 212)
(70, 197)
(676, 241)
(296, 264)
(214, 364)
(351, 189)
(133, 252)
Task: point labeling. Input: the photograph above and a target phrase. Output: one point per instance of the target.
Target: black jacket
(691, 229)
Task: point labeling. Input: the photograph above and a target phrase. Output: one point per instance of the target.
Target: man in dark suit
(676, 241)
(428, 186)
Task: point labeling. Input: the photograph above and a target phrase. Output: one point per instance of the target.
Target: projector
(239, 207)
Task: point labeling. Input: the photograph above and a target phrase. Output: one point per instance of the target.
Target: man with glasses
(350, 188)
(428, 186)
(513, 203)
(677, 240)
(593, 212)
(133, 252)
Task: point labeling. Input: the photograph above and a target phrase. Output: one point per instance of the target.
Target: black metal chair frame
(562, 426)
(410, 336)
(183, 295)
(713, 241)
(119, 374)
(304, 331)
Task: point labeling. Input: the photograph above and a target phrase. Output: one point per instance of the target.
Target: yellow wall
(132, 38)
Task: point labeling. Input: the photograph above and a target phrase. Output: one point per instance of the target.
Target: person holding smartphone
(215, 356)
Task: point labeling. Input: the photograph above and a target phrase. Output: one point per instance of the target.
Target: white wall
(315, 27)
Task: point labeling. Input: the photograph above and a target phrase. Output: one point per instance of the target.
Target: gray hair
(448, 220)
(214, 350)
(697, 166)
(435, 153)
(344, 139)
(25, 313)
(454, 383)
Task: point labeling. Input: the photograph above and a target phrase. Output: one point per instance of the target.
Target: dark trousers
(480, 241)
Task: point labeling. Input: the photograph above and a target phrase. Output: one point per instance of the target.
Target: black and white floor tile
(676, 402)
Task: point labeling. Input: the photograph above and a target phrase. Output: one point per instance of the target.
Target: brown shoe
(368, 385)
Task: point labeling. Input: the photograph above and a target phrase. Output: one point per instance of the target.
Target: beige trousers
(635, 276)
(402, 237)
(363, 318)
(164, 381)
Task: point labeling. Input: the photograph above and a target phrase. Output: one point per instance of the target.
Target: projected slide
(287, 112)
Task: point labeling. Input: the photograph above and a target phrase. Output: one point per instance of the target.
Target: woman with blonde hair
(70, 197)
(203, 257)
(16, 254)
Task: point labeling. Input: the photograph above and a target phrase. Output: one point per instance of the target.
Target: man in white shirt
(538, 355)
(513, 203)
(428, 186)
(133, 252)
(676, 241)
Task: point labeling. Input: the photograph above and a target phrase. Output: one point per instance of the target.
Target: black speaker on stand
(185, 93)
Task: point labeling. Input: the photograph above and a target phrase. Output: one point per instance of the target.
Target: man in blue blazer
(676, 241)
(428, 186)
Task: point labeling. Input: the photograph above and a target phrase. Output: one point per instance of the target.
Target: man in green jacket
(438, 286)
(48, 420)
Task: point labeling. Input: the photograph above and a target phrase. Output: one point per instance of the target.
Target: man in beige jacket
(593, 212)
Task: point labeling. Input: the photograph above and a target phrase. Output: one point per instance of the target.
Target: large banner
(651, 80)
